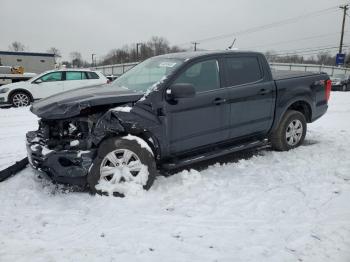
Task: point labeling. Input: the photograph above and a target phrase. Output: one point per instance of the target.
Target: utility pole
(137, 50)
(195, 45)
(345, 9)
(92, 59)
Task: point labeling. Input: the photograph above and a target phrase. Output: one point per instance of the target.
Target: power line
(195, 45)
(308, 51)
(307, 48)
(295, 40)
(268, 26)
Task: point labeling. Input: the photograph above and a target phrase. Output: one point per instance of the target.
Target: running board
(212, 154)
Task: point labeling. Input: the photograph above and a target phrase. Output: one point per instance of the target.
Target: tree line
(128, 53)
(159, 45)
(321, 58)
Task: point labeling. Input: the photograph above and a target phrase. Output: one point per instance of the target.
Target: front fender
(106, 124)
(136, 122)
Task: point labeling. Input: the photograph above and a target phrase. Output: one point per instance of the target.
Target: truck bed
(283, 74)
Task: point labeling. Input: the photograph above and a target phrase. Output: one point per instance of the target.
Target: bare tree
(176, 49)
(325, 58)
(16, 46)
(55, 51)
(159, 45)
(77, 59)
(155, 46)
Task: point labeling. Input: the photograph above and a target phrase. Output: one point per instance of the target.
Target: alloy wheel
(120, 166)
(294, 132)
(20, 100)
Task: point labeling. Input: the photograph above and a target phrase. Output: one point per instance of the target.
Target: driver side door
(198, 121)
(47, 85)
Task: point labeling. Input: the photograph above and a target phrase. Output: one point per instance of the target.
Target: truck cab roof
(200, 54)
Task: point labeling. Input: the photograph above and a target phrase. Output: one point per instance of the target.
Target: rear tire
(290, 132)
(20, 99)
(114, 156)
(344, 88)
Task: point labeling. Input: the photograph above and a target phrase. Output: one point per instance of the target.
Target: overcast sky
(97, 26)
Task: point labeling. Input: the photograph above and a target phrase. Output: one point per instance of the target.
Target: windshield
(143, 76)
(339, 76)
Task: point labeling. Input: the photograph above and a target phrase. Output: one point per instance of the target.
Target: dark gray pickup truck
(171, 111)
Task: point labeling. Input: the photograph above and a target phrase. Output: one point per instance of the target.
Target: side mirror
(181, 90)
(38, 81)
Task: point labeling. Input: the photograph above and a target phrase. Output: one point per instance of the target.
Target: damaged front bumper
(64, 166)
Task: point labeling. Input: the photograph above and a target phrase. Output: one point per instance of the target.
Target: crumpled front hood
(70, 103)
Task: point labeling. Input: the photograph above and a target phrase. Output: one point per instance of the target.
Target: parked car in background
(47, 84)
(111, 77)
(340, 82)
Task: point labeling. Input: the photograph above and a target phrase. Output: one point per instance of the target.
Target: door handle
(264, 91)
(219, 101)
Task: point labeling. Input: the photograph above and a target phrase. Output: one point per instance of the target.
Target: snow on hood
(70, 103)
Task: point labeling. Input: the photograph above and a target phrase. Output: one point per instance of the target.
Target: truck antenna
(233, 43)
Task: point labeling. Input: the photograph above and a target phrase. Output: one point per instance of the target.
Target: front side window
(242, 70)
(52, 77)
(75, 75)
(204, 76)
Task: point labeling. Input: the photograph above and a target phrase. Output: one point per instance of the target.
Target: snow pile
(122, 109)
(14, 124)
(74, 143)
(123, 182)
(274, 206)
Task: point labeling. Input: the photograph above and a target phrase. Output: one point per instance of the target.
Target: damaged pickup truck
(171, 111)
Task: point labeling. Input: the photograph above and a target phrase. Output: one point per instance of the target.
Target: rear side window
(204, 76)
(242, 70)
(92, 75)
(75, 75)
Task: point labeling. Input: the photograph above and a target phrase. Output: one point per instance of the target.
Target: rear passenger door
(75, 79)
(251, 96)
(198, 121)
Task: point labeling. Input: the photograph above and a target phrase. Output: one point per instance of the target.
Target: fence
(119, 69)
(116, 70)
(330, 70)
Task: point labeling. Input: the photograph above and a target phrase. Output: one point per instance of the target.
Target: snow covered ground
(290, 206)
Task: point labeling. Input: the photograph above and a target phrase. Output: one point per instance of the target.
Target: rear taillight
(328, 87)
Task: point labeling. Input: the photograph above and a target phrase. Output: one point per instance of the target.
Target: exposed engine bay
(74, 133)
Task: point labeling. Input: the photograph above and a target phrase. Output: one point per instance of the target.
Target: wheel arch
(298, 104)
(20, 90)
(146, 136)
(303, 107)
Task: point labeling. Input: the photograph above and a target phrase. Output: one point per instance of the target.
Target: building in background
(31, 62)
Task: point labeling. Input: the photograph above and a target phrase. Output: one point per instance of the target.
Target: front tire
(120, 164)
(290, 132)
(20, 99)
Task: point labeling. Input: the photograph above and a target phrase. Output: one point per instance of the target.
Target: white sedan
(49, 83)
